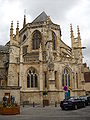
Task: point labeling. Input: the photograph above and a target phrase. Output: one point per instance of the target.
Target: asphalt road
(49, 113)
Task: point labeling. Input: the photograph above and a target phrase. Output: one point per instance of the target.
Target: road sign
(65, 88)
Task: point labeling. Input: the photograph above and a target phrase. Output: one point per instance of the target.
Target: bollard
(23, 104)
(33, 104)
(43, 104)
(56, 104)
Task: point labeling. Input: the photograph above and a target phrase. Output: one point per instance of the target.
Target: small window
(45, 77)
(55, 78)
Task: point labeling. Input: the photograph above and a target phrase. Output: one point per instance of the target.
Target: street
(49, 113)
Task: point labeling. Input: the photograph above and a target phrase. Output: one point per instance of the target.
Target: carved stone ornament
(51, 66)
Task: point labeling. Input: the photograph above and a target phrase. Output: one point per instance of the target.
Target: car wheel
(75, 107)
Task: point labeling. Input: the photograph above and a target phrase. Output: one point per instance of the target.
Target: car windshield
(75, 97)
(71, 99)
(83, 97)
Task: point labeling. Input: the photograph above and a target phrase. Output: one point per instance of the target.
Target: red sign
(65, 88)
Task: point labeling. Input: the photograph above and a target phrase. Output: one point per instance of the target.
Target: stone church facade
(39, 62)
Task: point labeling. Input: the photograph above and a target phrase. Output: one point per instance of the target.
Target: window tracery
(36, 39)
(66, 78)
(54, 40)
(32, 78)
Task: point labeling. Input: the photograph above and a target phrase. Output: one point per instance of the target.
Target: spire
(48, 19)
(72, 35)
(18, 24)
(17, 32)
(24, 22)
(47, 24)
(11, 29)
(79, 38)
(78, 32)
(17, 29)
(11, 24)
(79, 44)
(11, 33)
(71, 30)
(72, 40)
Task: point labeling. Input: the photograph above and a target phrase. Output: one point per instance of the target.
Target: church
(37, 65)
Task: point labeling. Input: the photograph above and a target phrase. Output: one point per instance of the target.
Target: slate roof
(4, 48)
(41, 18)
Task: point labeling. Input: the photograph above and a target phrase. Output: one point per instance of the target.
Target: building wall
(87, 78)
(3, 67)
(55, 60)
(87, 86)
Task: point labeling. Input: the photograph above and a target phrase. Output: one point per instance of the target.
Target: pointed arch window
(45, 79)
(36, 39)
(24, 37)
(28, 81)
(32, 78)
(66, 77)
(54, 40)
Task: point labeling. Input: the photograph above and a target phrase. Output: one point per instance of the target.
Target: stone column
(51, 80)
(20, 68)
(60, 75)
(41, 77)
(41, 68)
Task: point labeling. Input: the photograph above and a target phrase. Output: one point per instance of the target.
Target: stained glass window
(66, 78)
(54, 40)
(32, 78)
(36, 39)
(28, 81)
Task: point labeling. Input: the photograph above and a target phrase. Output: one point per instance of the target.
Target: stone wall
(38, 97)
(31, 97)
(87, 87)
(13, 92)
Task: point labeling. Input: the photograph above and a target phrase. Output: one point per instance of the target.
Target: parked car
(72, 103)
(86, 98)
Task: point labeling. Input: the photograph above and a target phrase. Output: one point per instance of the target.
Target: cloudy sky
(62, 12)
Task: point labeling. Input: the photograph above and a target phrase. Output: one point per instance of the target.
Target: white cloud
(9, 11)
(79, 15)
